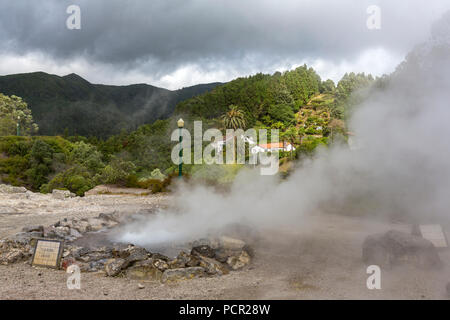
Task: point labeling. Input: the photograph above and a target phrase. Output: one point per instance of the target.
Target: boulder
(112, 216)
(213, 267)
(144, 270)
(212, 242)
(160, 264)
(98, 265)
(12, 256)
(114, 266)
(62, 194)
(184, 260)
(95, 255)
(120, 250)
(203, 250)
(240, 261)
(96, 224)
(74, 233)
(172, 275)
(81, 226)
(160, 256)
(137, 254)
(228, 243)
(4, 188)
(395, 247)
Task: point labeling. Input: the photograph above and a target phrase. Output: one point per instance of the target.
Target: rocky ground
(19, 209)
(321, 259)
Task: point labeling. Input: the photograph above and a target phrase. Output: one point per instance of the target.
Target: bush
(76, 179)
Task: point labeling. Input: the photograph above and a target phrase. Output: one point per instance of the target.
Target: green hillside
(71, 105)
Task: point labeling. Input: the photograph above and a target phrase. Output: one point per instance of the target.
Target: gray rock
(114, 266)
(74, 233)
(184, 260)
(395, 247)
(120, 250)
(95, 266)
(204, 250)
(62, 194)
(144, 270)
(240, 261)
(228, 243)
(172, 275)
(12, 256)
(160, 256)
(160, 264)
(137, 254)
(11, 189)
(213, 267)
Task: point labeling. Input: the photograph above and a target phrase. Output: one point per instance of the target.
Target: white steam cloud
(402, 168)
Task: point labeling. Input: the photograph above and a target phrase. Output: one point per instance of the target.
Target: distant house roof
(273, 145)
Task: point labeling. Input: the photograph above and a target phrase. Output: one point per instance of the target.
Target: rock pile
(20, 246)
(211, 257)
(208, 257)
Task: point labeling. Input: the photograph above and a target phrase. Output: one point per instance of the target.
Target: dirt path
(322, 260)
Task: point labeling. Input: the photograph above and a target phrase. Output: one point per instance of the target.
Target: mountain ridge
(71, 104)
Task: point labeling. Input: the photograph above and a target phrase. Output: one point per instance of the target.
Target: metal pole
(180, 165)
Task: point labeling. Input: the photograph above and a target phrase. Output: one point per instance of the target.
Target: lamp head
(180, 123)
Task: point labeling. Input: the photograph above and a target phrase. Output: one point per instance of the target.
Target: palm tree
(234, 118)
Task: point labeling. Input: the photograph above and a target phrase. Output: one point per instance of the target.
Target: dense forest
(308, 111)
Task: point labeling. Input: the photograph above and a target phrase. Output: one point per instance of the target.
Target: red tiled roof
(272, 145)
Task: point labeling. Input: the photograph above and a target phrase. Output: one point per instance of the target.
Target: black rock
(396, 247)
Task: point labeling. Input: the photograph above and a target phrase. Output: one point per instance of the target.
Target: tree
(234, 118)
(14, 110)
(283, 113)
(41, 157)
(328, 86)
(291, 135)
(336, 126)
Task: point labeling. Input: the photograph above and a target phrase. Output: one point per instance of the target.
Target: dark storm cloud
(160, 36)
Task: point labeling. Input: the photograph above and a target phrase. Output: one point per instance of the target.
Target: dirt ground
(321, 260)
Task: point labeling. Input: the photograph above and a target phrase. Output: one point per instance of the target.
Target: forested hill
(71, 105)
(273, 100)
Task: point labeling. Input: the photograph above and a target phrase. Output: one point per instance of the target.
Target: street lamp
(180, 124)
(18, 125)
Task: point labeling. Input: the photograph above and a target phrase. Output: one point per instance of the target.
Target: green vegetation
(308, 112)
(14, 111)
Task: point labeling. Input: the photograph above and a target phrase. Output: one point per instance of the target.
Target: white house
(271, 147)
(218, 145)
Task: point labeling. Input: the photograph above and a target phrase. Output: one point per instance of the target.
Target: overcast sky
(177, 43)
